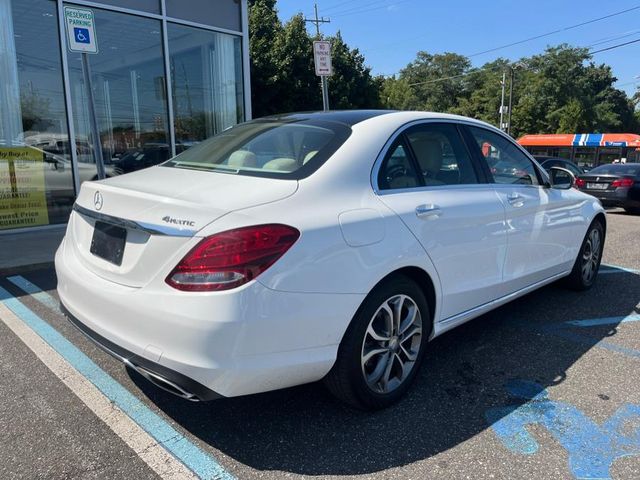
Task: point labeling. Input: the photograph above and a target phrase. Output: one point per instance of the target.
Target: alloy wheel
(391, 344)
(591, 256)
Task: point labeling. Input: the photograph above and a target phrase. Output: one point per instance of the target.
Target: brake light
(580, 183)
(623, 182)
(229, 259)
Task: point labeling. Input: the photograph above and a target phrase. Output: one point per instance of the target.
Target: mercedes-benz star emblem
(98, 200)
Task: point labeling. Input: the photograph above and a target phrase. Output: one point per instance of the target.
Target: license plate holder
(108, 242)
(597, 186)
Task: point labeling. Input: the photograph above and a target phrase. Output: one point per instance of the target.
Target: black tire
(578, 280)
(346, 380)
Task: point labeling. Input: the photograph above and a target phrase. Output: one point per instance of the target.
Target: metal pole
(323, 79)
(510, 100)
(93, 121)
(504, 79)
(325, 93)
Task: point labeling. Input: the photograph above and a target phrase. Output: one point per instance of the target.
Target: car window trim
(377, 165)
(543, 178)
(401, 140)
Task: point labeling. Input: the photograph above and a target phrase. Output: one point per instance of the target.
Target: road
(545, 387)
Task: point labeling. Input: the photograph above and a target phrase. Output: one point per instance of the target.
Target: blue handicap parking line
(592, 448)
(200, 462)
(595, 322)
(33, 290)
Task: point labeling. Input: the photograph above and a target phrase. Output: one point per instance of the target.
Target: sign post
(81, 37)
(322, 61)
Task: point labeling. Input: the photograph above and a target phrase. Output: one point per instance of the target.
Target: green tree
(397, 94)
(351, 85)
(437, 81)
(266, 85)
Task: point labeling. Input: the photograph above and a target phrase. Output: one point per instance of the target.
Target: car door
(428, 177)
(542, 222)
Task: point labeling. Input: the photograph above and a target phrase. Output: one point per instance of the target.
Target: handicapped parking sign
(81, 32)
(82, 35)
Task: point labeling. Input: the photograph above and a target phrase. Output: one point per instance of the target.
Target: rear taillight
(622, 182)
(229, 259)
(580, 183)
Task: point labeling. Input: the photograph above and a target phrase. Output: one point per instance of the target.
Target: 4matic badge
(178, 221)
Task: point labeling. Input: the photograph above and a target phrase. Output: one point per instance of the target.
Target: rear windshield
(267, 148)
(617, 169)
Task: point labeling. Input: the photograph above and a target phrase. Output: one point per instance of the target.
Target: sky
(389, 33)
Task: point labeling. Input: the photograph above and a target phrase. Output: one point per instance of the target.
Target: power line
(339, 4)
(615, 46)
(571, 27)
(358, 11)
(353, 7)
(475, 70)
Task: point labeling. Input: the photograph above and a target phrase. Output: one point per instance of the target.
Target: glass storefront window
(207, 90)
(36, 182)
(128, 82)
(218, 13)
(151, 6)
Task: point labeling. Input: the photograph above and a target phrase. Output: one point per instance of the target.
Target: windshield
(267, 148)
(617, 169)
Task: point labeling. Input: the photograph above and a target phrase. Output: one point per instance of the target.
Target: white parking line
(150, 451)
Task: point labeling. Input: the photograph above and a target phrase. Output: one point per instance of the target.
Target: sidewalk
(28, 250)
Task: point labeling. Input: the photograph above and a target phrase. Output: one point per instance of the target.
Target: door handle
(515, 199)
(428, 211)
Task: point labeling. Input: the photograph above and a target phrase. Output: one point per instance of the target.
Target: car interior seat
(283, 164)
(428, 150)
(242, 158)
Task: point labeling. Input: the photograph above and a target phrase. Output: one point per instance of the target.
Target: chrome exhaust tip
(163, 383)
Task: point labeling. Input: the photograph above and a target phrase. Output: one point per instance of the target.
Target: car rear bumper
(247, 340)
(613, 198)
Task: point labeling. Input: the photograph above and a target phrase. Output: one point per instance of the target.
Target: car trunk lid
(145, 219)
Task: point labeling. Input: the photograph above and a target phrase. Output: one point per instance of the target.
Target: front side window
(267, 148)
(442, 157)
(507, 163)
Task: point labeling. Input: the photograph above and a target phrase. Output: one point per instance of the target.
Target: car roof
(353, 117)
(348, 117)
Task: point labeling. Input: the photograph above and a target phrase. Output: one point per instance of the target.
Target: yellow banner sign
(23, 202)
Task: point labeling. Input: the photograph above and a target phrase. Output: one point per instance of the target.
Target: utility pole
(503, 84)
(325, 87)
(510, 99)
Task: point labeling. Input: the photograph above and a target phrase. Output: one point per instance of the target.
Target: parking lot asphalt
(544, 387)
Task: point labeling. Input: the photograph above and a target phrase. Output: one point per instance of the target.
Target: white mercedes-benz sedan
(317, 246)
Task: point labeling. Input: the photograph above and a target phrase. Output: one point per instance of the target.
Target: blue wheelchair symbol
(81, 35)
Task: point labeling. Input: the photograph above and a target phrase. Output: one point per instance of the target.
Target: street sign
(322, 58)
(81, 30)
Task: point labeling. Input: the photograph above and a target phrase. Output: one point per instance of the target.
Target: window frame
(401, 140)
(481, 174)
(541, 175)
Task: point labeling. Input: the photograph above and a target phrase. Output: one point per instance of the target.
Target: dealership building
(131, 82)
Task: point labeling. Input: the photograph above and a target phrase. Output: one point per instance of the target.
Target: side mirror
(561, 178)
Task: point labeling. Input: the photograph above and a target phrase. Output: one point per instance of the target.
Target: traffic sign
(81, 30)
(322, 58)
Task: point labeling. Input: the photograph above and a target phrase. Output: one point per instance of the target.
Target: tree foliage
(283, 78)
(561, 90)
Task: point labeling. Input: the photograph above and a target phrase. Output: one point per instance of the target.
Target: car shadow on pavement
(305, 431)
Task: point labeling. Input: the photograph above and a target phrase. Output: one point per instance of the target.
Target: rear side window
(397, 170)
(506, 162)
(440, 154)
(267, 148)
